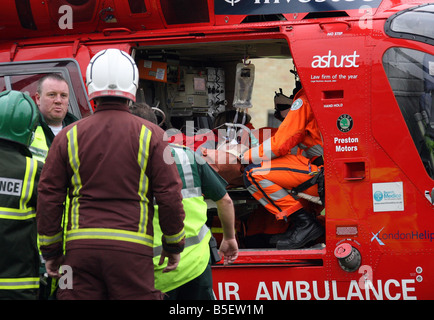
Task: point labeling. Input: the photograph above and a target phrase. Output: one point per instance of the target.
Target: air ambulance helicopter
(367, 67)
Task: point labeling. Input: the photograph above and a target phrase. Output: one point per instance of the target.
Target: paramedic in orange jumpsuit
(274, 169)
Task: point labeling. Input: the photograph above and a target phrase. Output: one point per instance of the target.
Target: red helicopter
(368, 70)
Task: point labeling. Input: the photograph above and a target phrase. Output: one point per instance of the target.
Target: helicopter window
(411, 76)
(178, 12)
(23, 76)
(2, 85)
(137, 6)
(414, 24)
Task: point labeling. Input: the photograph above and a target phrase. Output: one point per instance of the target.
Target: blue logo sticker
(297, 104)
(378, 196)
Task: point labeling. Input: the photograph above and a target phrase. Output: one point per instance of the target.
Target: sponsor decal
(256, 7)
(346, 144)
(413, 235)
(345, 123)
(335, 61)
(388, 196)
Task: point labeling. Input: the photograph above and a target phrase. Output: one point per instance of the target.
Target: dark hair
(142, 110)
(55, 76)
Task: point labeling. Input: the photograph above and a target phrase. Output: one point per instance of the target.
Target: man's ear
(37, 99)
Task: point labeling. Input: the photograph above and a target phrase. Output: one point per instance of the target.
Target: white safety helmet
(112, 73)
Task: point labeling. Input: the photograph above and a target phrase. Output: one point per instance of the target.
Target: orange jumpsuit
(275, 169)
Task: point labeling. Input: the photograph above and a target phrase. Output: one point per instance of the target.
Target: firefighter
(52, 97)
(192, 280)
(19, 175)
(275, 169)
(112, 165)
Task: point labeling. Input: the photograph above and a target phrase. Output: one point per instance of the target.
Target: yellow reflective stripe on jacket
(77, 233)
(19, 283)
(109, 234)
(17, 214)
(49, 240)
(74, 162)
(23, 212)
(175, 238)
(29, 181)
(142, 159)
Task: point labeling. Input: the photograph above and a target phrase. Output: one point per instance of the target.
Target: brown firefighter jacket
(112, 164)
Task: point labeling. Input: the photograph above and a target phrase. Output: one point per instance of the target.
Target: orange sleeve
(290, 133)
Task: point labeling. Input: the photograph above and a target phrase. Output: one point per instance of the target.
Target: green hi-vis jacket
(196, 180)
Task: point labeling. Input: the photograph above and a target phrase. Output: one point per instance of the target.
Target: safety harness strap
(317, 178)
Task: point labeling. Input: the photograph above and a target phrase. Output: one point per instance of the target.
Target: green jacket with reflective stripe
(196, 254)
(19, 263)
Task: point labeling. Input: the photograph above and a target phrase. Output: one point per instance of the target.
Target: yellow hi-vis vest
(39, 146)
(196, 254)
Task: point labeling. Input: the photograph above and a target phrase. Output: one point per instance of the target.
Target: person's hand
(172, 262)
(229, 250)
(52, 266)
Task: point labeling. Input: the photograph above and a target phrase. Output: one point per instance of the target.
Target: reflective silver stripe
(145, 138)
(280, 194)
(109, 234)
(263, 201)
(184, 161)
(265, 183)
(48, 240)
(24, 212)
(191, 192)
(277, 195)
(175, 238)
(19, 283)
(252, 189)
(38, 152)
(191, 241)
(28, 182)
(74, 162)
(315, 151)
(18, 215)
